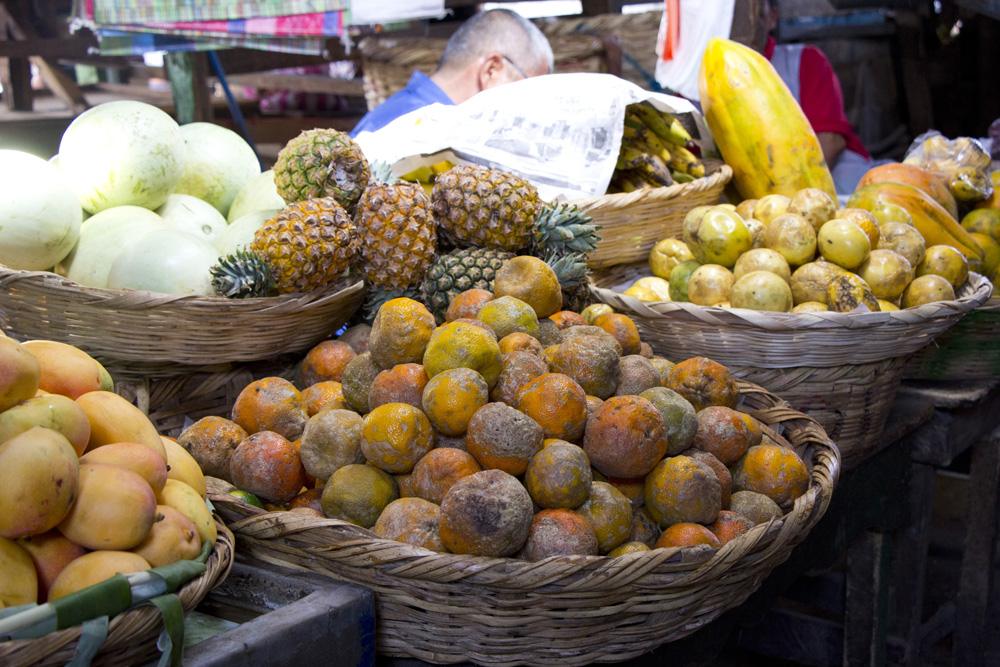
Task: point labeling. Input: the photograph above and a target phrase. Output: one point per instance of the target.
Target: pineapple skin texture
(479, 207)
(322, 163)
(310, 244)
(457, 271)
(397, 232)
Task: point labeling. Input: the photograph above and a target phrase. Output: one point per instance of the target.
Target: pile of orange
(504, 432)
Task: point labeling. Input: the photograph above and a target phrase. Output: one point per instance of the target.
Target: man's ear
(491, 70)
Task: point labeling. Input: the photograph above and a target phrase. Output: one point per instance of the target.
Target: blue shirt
(419, 92)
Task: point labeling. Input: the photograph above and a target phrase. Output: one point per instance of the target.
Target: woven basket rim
(59, 646)
(717, 175)
(816, 498)
(973, 294)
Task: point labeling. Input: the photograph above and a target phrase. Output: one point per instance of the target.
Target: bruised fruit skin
(463, 345)
(501, 437)
(755, 506)
(521, 342)
(395, 436)
(413, 521)
(643, 529)
(722, 433)
(451, 397)
(623, 329)
(591, 362)
(686, 534)
(271, 404)
(559, 532)
(267, 465)
(625, 437)
(358, 493)
(567, 318)
(593, 331)
(773, 470)
(720, 470)
(559, 476)
(609, 513)
(467, 304)
(322, 396)
(330, 441)
(519, 368)
(325, 361)
(486, 514)
(678, 417)
(439, 470)
(637, 375)
(682, 489)
(557, 404)
(400, 332)
(403, 383)
(730, 525)
(211, 441)
(704, 382)
(356, 383)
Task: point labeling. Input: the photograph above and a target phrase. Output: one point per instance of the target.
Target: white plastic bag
(700, 21)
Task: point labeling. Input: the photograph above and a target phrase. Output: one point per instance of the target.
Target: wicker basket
(568, 610)
(145, 334)
(970, 350)
(842, 369)
(633, 222)
(132, 635)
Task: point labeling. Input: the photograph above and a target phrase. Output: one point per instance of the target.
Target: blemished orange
(559, 475)
(268, 466)
(703, 382)
(467, 304)
(451, 397)
(413, 521)
(777, 472)
(609, 514)
(686, 534)
(681, 489)
(730, 525)
(325, 361)
(403, 383)
(559, 532)
(557, 403)
(271, 404)
(521, 342)
(567, 318)
(438, 470)
(503, 438)
(623, 329)
(322, 396)
(395, 436)
(463, 345)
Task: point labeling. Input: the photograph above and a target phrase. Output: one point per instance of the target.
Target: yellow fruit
(93, 568)
(532, 281)
(659, 286)
(770, 207)
(762, 259)
(39, 480)
(716, 235)
(925, 289)
(991, 251)
(793, 237)
(710, 284)
(20, 373)
(189, 502)
(173, 537)
(18, 580)
(667, 254)
(140, 459)
(113, 419)
(887, 273)
(843, 243)
(944, 261)
(814, 205)
(183, 467)
(114, 508)
(642, 293)
(595, 310)
(762, 290)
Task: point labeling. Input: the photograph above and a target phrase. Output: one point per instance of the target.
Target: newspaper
(562, 132)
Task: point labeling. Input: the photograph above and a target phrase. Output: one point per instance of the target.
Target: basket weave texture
(132, 635)
(970, 350)
(842, 369)
(146, 334)
(570, 610)
(633, 222)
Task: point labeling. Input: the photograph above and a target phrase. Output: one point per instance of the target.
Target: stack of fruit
(803, 254)
(656, 151)
(88, 488)
(516, 428)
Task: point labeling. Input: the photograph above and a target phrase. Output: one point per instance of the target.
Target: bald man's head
(498, 31)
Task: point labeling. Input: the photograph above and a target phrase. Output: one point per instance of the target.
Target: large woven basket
(970, 350)
(842, 369)
(132, 635)
(568, 610)
(146, 334)
(633, 222)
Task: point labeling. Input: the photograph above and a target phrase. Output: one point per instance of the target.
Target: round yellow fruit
(887, 306)
(844, 243)
(18, 581)
(756, 228)
(770, 207)
(183, 467)
(927, 288)
(864, 220)
(809, 281)
(680, 277)
(595, 310)
(762, 259)
(655, 284)
(93, 568)
(792, 236)
(815, 205)
(745, 208)
(810, 307)
(761, 290)
(944, 261)
(984, 221)
(710, 284)
(716, 235)
(641, 293)
(887, 273)
(891, 213)
(667, 254)
(991, 251)
(904, 239)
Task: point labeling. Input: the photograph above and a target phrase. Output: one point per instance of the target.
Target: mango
(50, 552)
(93, 568)
(18, 581)
(39, 478)
(183, 467)
(189, 502)
(173, 537)
(66, 370)
(140, 459)
(114, 419)
(114, 508)
(20, 373)
(59, 413)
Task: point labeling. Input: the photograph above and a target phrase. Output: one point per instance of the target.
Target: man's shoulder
(420, 91)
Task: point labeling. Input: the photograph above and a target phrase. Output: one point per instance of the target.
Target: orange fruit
(403, 383)
(331, 440)
(686, 535)
(323, 395)
(592, 362)
(400, 332)
(268, 466)
(773, 470)
(462, 345)
(593, 403)
(438, 471)
(309, 498)
(518, 368)
(730, 525)
(557, 403)
(681, 489)
(636, 375)
(325, 361)
(559, 532)
(532, 281)
(413, 521)
(703, 382)
(625, 437)
(211, 441)
(486, 514)
(467, 304)
(395, 436)
(558, 476)
(404, 483)
(723, 433)
(501, 437)
(521, 342)
(623, 329)
(357, 337)
(357, 381)
(271, 404)
(451, 398)
(507, 314)
(631, 487)
(358, 493)
(567, 318)
(628, 548)
(721, 471)
(609, 514)
(644, 529)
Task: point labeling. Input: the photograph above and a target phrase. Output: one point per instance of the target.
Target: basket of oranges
(510, 504)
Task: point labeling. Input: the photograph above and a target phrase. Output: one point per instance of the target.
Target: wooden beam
(57, 47)
(300, 82)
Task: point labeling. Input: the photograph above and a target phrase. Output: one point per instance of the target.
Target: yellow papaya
(760, 129)
(918, 177)
(933, 222)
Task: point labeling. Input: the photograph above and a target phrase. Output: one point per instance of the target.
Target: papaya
(934, 223)
(760, 129)
(918, 177)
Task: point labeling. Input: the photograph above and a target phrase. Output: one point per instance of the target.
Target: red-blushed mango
(140, 459)
(173, 537)
(114, 508)
(39, 479)
(20, 373)
(113, 419)
(93, 568)
(50, 551)
(66, 370)
(59, 413)
(18, 583)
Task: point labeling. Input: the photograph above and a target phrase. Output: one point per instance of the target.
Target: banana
(647, 142)
(684, 160)
(681, 177)
(651, 167)
(664, 126)
(420, 175)
(442, 166)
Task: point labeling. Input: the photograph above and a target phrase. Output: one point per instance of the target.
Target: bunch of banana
(427, 174)
(654, 152)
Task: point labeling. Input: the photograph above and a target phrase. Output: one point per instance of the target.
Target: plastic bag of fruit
(962, 162)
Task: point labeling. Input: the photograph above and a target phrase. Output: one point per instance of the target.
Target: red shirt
(820, 96)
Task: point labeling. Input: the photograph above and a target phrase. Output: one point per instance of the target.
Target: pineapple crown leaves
(243, 274)
(571, 270)
(564, 228)
(381, 172)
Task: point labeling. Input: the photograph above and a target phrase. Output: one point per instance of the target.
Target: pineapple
(242, 275)
(397, 231)
(457, 271)
(377, 295)
(479, 207)
(309, 244)
(321, 163)
(564, 229)
(571, 271)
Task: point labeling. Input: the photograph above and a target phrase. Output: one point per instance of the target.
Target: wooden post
(15, 73)
(188, 74)
(913, 62)
(865, 605)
